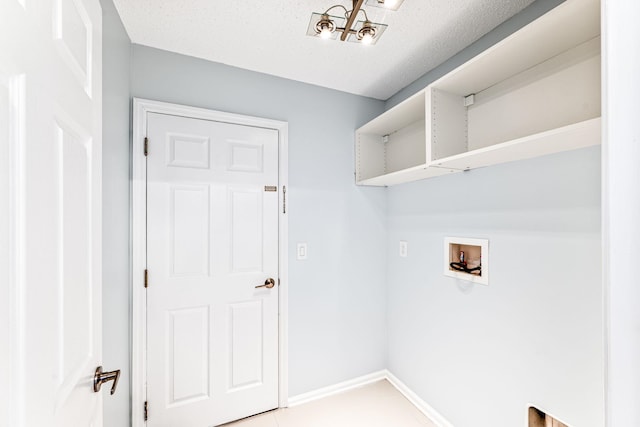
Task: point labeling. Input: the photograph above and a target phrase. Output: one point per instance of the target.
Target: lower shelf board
(406, 175)
(571, 137)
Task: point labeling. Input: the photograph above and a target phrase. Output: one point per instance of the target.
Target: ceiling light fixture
(328, 26)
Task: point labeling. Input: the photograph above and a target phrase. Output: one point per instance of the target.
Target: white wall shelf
(535, 93)
(565, 138)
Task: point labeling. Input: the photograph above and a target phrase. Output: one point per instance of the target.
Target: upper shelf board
(400, 116)
(544, 38)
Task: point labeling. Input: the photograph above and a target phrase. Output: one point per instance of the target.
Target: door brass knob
(104, 377)
(269, 283)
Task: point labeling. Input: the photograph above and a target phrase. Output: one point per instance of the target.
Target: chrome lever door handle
(269, 283)
(100, 378)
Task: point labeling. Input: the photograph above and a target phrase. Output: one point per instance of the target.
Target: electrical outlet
(302, 251)
(403, 249)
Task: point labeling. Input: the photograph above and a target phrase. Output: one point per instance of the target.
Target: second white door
(212, 237)
(50, 212)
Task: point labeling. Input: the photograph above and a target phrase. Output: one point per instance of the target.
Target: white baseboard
(337, 388)
(412, 397)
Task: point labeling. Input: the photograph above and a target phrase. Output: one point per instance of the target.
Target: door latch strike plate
(270, 188)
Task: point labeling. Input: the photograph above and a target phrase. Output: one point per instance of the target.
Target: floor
(374, 405)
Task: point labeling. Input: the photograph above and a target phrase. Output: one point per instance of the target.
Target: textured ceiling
(269, 36)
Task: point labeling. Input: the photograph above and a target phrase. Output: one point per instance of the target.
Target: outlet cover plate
(302, 251)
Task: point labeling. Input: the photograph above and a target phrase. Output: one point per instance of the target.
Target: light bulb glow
(325, 33)
(367, 39)
(390, 4)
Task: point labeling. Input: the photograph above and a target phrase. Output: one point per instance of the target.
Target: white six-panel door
(212, 237)
(50, 198)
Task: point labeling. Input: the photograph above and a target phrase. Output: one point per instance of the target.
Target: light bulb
(367, 38)
(325, 33)
(390, 4)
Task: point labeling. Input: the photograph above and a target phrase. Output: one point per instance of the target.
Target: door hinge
(146, 278)
(146, 410)
(146, 146)
(284, 199)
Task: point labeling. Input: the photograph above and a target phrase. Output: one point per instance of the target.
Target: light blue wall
(337, 296)
(115, 204)
(480, 354)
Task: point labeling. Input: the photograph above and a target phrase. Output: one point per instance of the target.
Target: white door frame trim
(141, 107)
